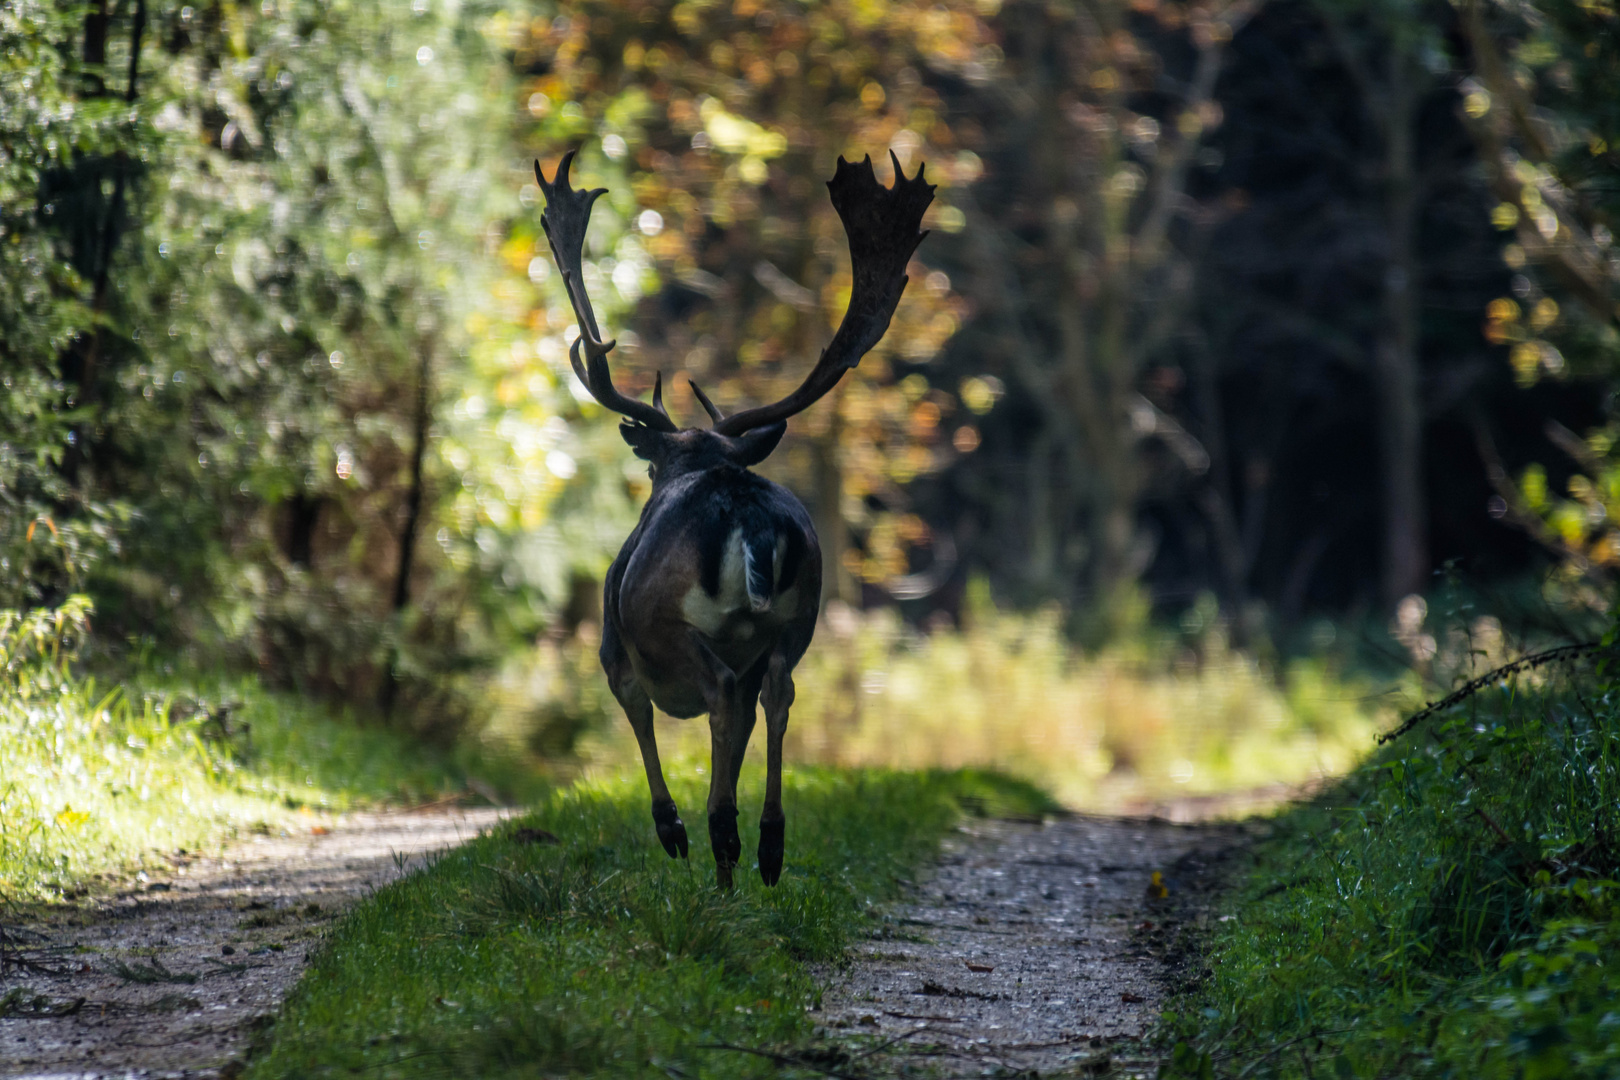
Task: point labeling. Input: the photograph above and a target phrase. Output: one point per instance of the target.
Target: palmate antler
(566, 215)
(882, 225)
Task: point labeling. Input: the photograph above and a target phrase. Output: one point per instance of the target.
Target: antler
(564, 219)
(881, 224)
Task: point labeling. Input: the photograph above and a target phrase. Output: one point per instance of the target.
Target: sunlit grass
(90, 782)
(96, 779)
(1120, 729)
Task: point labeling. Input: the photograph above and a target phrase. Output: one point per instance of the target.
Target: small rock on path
(1033, 948)
(170, 977)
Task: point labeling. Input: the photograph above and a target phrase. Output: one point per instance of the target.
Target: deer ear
(755, 446)
(647, 443)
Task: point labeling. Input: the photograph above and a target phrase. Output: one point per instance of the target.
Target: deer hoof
(723, 837)
(671, 829)
(770, 850)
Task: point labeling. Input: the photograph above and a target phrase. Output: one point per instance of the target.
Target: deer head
(882, 227)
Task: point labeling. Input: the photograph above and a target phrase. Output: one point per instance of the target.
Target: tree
(57, 120)
(1542, 106)
(1077, 261)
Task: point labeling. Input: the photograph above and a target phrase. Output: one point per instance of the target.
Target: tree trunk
(407, 537)
(836, 581)
(1400, 421)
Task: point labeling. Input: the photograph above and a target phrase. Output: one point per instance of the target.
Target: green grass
(601, 956)
(98, 780)
(1449, 910)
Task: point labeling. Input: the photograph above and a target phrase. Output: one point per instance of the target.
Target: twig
(780, 1059)
(915, 1016)
(1474, 686)
(433, 804)
(885, 1044)
(1495, 828)
(1251, 1066)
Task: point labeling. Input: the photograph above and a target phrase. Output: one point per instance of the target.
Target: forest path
(172, 975)
(1032, 947)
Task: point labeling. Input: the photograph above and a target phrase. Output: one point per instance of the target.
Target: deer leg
(743, 724)
(778, 698)
(721, 691)
(638, 709)
(666, 819)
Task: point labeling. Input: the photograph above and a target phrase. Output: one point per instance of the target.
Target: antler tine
(564, 219)
(715, 415)
(658, 393)
(882, 226)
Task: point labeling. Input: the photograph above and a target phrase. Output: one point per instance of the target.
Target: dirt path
(1033, 947)
(170, 977)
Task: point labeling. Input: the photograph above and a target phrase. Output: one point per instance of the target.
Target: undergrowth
(596, 954)
(1145, 720)
(94, 779)
(1449, 910)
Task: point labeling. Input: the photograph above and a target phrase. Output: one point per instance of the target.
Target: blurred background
(1256, 382)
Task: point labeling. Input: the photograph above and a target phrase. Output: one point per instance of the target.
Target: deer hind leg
(721, 691)
(777, 698)
(638, 708)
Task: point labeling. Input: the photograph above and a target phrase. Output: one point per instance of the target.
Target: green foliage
(46, 303)
(1450, 909)
(1543, 110)
(598, 955)
(338, 205)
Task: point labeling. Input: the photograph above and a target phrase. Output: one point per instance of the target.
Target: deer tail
(759, 559)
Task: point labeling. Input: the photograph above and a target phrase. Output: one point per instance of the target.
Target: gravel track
(170, 977)
(1034, 948)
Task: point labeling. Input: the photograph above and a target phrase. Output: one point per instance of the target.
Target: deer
(714, 597)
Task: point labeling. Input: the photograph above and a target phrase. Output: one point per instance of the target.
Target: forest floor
(1035, 949)
(171, 975)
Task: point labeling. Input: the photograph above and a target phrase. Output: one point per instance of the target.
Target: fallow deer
(714, 596)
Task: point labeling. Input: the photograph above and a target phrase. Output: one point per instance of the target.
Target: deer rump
(723, 553)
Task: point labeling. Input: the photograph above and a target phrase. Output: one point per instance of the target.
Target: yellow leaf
(1157, 889)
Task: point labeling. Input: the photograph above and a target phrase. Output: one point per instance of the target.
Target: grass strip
(513, 956)
(1449, 910)
(97, 780)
